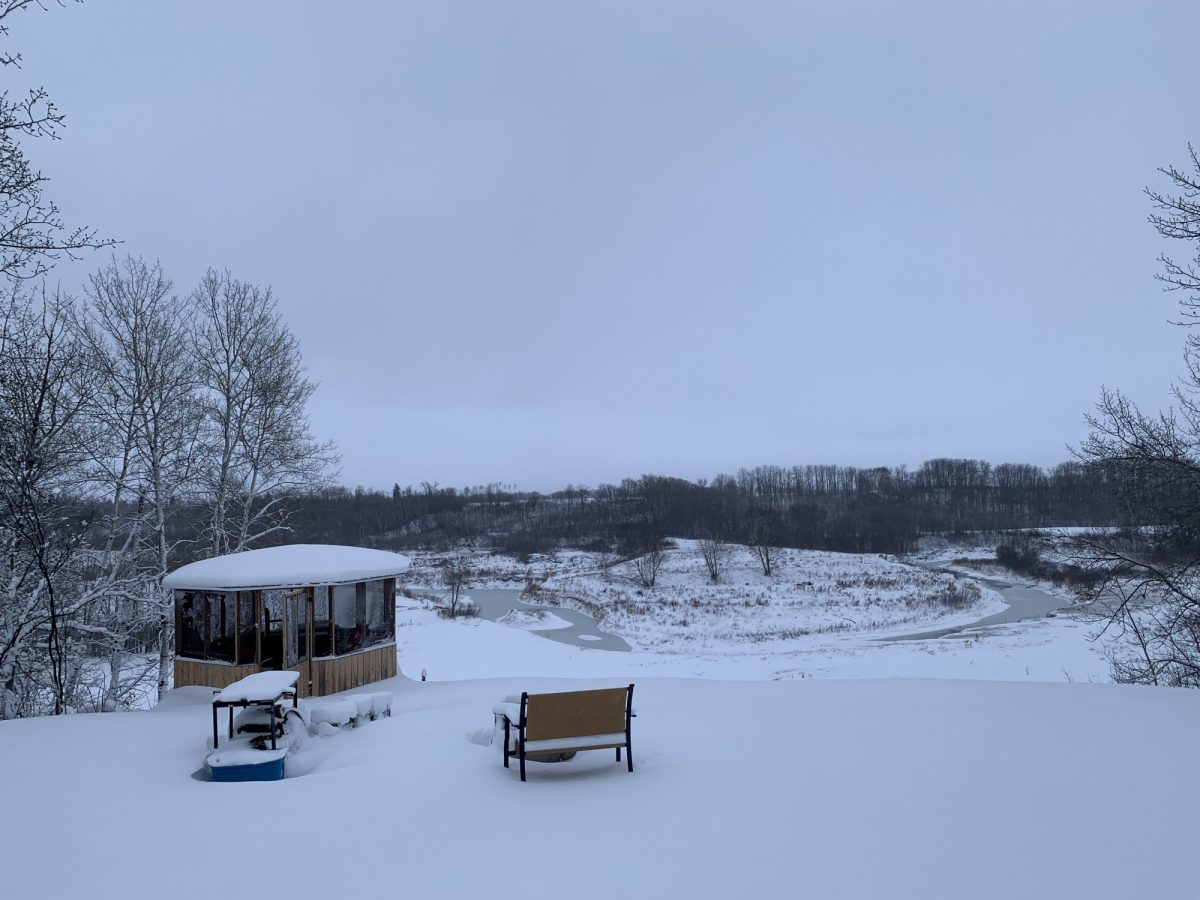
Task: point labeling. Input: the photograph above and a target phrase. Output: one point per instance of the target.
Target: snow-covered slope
(830, 789)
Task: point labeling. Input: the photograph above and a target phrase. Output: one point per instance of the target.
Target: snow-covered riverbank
(808, 594)
(822, 617)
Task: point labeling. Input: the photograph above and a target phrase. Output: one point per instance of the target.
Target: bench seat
(589, 742)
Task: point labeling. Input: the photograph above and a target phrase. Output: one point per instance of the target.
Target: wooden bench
(568, 722)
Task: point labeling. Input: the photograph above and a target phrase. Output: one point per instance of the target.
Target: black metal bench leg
(522, 762)
(506, 743)
(628, 729)
(618, 754)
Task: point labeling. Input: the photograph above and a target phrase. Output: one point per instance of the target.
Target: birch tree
(259, 451)
(141, 336)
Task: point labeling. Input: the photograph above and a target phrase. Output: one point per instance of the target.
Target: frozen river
(583, 631)
(1023, 603)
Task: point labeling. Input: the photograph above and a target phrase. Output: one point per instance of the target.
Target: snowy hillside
(808, 593)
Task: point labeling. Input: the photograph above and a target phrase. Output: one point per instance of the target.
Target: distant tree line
(882, 510)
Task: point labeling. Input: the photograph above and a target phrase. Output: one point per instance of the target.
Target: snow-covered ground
(831, 789)
(829, 764)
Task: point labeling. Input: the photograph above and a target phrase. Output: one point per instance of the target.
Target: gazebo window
(206, 623)
(347, 635)
(272, 632)
(222, 622)
(364, 615)
(190, 624)
(247, 649)
(322, 626)
(379, 630)
(297, 627)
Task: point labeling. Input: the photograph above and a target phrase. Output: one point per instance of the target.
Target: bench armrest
(510, 711)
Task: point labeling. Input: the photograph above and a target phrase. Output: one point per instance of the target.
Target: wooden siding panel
(303, 669)
(329, 675)
(209, 674)
(333, 675)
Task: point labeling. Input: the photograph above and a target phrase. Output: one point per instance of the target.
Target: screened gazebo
(327, 612)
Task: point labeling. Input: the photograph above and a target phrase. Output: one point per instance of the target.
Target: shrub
(523, 545)
(1026, 560)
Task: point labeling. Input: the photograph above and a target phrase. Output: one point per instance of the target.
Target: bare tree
(1150, 589)
(765, 532)
(457, 577)
(605, 560)
(260, 452)
(45, 387)
(715, 553)
(32, 233)
(1177, 216)
(647, 565)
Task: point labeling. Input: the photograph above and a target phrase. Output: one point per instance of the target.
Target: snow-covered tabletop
(259, 687)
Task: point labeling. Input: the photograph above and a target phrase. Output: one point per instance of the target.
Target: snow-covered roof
(292, 565)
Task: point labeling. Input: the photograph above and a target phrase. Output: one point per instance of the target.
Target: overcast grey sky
(548, 242)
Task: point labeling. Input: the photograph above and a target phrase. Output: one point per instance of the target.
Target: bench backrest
(576, 713)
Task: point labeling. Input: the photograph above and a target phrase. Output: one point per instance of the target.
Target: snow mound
(533, 620)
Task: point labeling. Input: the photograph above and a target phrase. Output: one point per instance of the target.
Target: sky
(541, 243)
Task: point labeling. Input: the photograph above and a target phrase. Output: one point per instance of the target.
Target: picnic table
(262, 689)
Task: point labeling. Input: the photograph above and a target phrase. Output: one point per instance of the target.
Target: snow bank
(370, 706)
(381, 704)
(292, 565)
(332, 711)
